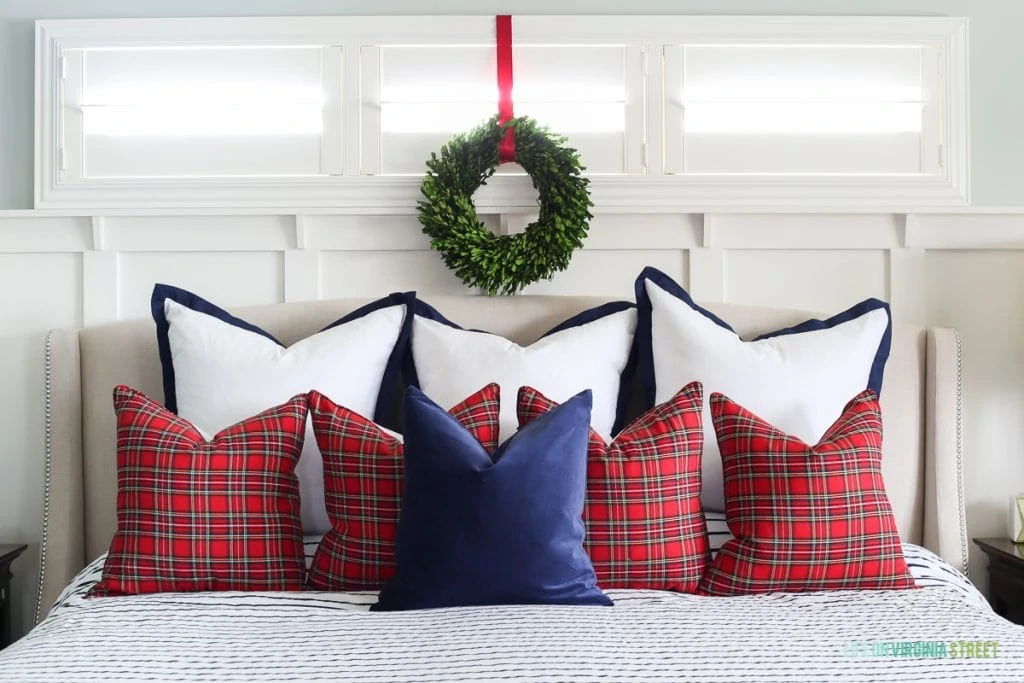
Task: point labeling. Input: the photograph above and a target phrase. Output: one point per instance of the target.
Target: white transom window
(344, 111)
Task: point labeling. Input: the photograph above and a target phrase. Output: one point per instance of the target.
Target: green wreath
(504, 264)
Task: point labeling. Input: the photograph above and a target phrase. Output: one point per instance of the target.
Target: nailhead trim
(48, 444)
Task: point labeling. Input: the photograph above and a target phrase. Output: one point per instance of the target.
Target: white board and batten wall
(817, 242)
(963, 269)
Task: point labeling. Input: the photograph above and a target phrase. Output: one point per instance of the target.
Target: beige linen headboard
(920, 401)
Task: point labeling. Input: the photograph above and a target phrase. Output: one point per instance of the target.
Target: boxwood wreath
(504, 264)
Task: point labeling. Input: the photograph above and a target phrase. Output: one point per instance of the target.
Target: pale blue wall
(997, 54)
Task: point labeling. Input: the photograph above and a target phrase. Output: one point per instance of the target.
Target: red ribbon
(507, 147)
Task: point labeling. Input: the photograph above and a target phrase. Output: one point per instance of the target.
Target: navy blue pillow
(162, 292)
(644, 344)
(483, 529)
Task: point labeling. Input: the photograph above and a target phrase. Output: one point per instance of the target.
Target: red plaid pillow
(363, 479)
(645, 526)
(805, 518)
(198, 515)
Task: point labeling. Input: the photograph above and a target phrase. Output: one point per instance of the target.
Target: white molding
(100, 287)
(911, 228)
(918, 213)
(708, 235)
(352, 193)
(332, 142)
(99, 233)
(635, 149)
(400, 194)
(363, 132)
(670, 108)
(957, 116)
(47, 102)
(707, 274)
(301, 231)
(907, 286)
(319, 230)
(654, 62)
(529, 29)
(301, 275)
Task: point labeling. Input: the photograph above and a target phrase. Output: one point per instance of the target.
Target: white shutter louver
(200, 112)
(427, 93)
(810, 109)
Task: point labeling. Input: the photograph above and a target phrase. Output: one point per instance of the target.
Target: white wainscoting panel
(961, 269)
(302, 280)
(807, 231)
(611, 273)
(369, 233)
(29, 234)
(969, 231)
(225, 278)
(200, 233)
(645, 231)
(806, 279)
(374, 273)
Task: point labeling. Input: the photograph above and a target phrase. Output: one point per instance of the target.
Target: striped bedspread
(916, 635)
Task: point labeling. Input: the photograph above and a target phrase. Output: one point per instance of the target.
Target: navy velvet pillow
(483, 529)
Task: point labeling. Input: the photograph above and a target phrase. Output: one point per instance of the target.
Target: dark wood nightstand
(8, 553)
(1005, 576)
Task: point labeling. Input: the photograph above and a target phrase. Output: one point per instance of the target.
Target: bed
(648, 635)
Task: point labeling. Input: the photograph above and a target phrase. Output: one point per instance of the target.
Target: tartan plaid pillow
(645, 527)
(805, 518)
(363, 481)
(198, 515)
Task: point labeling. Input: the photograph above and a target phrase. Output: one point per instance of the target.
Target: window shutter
(201, 111)
(802, 109)
(424, 94)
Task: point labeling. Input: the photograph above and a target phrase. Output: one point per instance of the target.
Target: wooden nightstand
(8, 553)
(1005, 576)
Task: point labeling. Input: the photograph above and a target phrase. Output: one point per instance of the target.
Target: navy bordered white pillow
(798, 378)
(219, 369)
(592, 350)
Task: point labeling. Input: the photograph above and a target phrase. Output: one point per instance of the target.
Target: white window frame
(656, 37)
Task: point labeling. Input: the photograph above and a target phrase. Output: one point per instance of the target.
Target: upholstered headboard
(920, 401)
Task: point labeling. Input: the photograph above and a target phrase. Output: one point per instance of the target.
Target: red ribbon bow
(507, 147)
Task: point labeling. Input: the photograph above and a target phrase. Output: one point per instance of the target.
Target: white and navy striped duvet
(646, 636)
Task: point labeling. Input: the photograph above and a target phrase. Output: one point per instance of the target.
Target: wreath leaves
(504, 264)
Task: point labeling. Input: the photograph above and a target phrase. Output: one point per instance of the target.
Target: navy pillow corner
(857, 310)
(422, 308)
(477, 528)
(163, 292)
(644, 341)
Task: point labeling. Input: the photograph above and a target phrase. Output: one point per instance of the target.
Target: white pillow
(219, 370)
(798, 379)
(589, 351)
